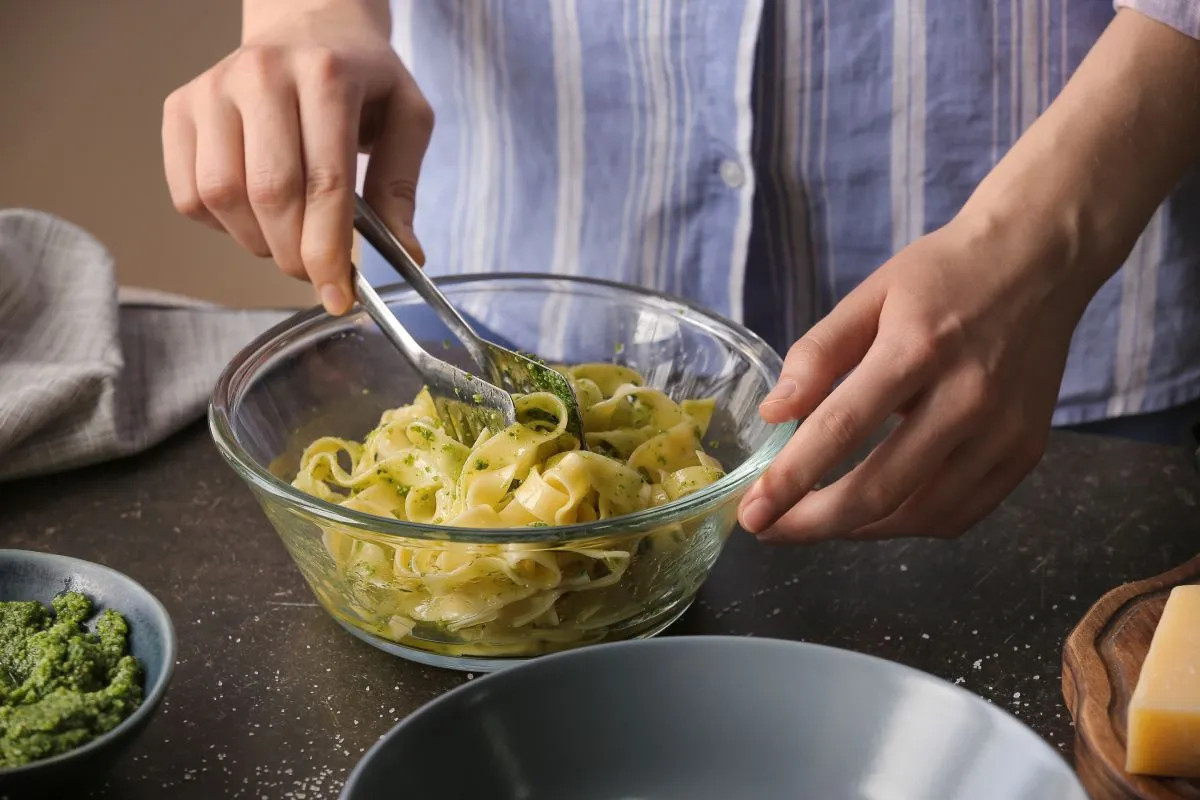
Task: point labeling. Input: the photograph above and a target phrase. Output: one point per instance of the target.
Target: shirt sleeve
(1182, 15)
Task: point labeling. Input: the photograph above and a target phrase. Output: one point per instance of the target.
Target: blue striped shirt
(762, 157)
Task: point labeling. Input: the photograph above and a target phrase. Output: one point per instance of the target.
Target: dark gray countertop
(272, 700)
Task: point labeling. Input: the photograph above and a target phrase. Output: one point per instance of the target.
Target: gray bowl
(711, 718)
(26, 575)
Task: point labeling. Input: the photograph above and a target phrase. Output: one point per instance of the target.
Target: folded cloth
(86, 375)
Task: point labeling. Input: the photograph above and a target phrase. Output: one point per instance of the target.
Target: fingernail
(757, 515)
(782, 391)
(415, 250)
(333, 298)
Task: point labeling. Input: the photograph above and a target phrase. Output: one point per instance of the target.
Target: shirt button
(732, 174)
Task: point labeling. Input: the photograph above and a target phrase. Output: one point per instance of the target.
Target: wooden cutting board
(1101, 662)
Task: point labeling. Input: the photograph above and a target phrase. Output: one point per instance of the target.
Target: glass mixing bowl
(315, 375)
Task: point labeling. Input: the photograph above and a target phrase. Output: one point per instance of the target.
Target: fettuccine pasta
(643, 450)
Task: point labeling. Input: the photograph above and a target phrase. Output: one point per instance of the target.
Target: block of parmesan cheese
(1164, 712)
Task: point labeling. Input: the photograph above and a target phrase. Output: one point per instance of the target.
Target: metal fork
(516, 372)
(465, 403)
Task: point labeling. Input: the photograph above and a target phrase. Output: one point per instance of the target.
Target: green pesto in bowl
(62, 685)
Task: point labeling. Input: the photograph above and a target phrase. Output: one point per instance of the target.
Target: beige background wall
(81, 90)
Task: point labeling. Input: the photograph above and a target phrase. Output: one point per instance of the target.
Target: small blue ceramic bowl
(26, 575)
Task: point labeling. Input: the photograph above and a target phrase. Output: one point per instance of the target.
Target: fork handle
(396, 333)
(372, 228)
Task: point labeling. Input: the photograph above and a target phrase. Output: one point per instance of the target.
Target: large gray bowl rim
(765, 644)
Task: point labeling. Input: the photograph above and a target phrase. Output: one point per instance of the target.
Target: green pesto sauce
(546, 379)
(60, 685)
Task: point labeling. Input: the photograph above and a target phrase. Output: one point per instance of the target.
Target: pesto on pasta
(643, 450)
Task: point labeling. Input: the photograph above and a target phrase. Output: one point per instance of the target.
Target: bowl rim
(757, 643)
(237, 371)
(150, 698)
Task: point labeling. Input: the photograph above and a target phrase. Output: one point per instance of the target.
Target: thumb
(394, 165)
(829, 350)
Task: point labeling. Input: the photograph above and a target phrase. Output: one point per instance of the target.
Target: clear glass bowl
(315, 375)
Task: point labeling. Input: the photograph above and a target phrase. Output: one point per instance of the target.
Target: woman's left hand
(964, 334)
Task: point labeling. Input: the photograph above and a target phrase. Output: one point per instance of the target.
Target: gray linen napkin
(86, 374)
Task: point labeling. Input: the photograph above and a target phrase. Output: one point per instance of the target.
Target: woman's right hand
(263, 145)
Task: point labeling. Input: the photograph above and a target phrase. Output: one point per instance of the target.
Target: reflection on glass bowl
(392, 582)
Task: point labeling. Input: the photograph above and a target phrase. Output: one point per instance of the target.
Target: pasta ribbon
(644, 450)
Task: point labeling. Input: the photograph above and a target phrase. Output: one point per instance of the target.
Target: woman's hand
(263, 145)
(962, 334)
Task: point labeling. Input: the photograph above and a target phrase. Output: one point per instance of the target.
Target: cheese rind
(1163, 736)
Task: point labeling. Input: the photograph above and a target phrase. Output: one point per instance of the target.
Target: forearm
(1107, 152)
(259, 15)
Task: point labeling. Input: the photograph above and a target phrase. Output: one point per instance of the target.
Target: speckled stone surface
(272, 700)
